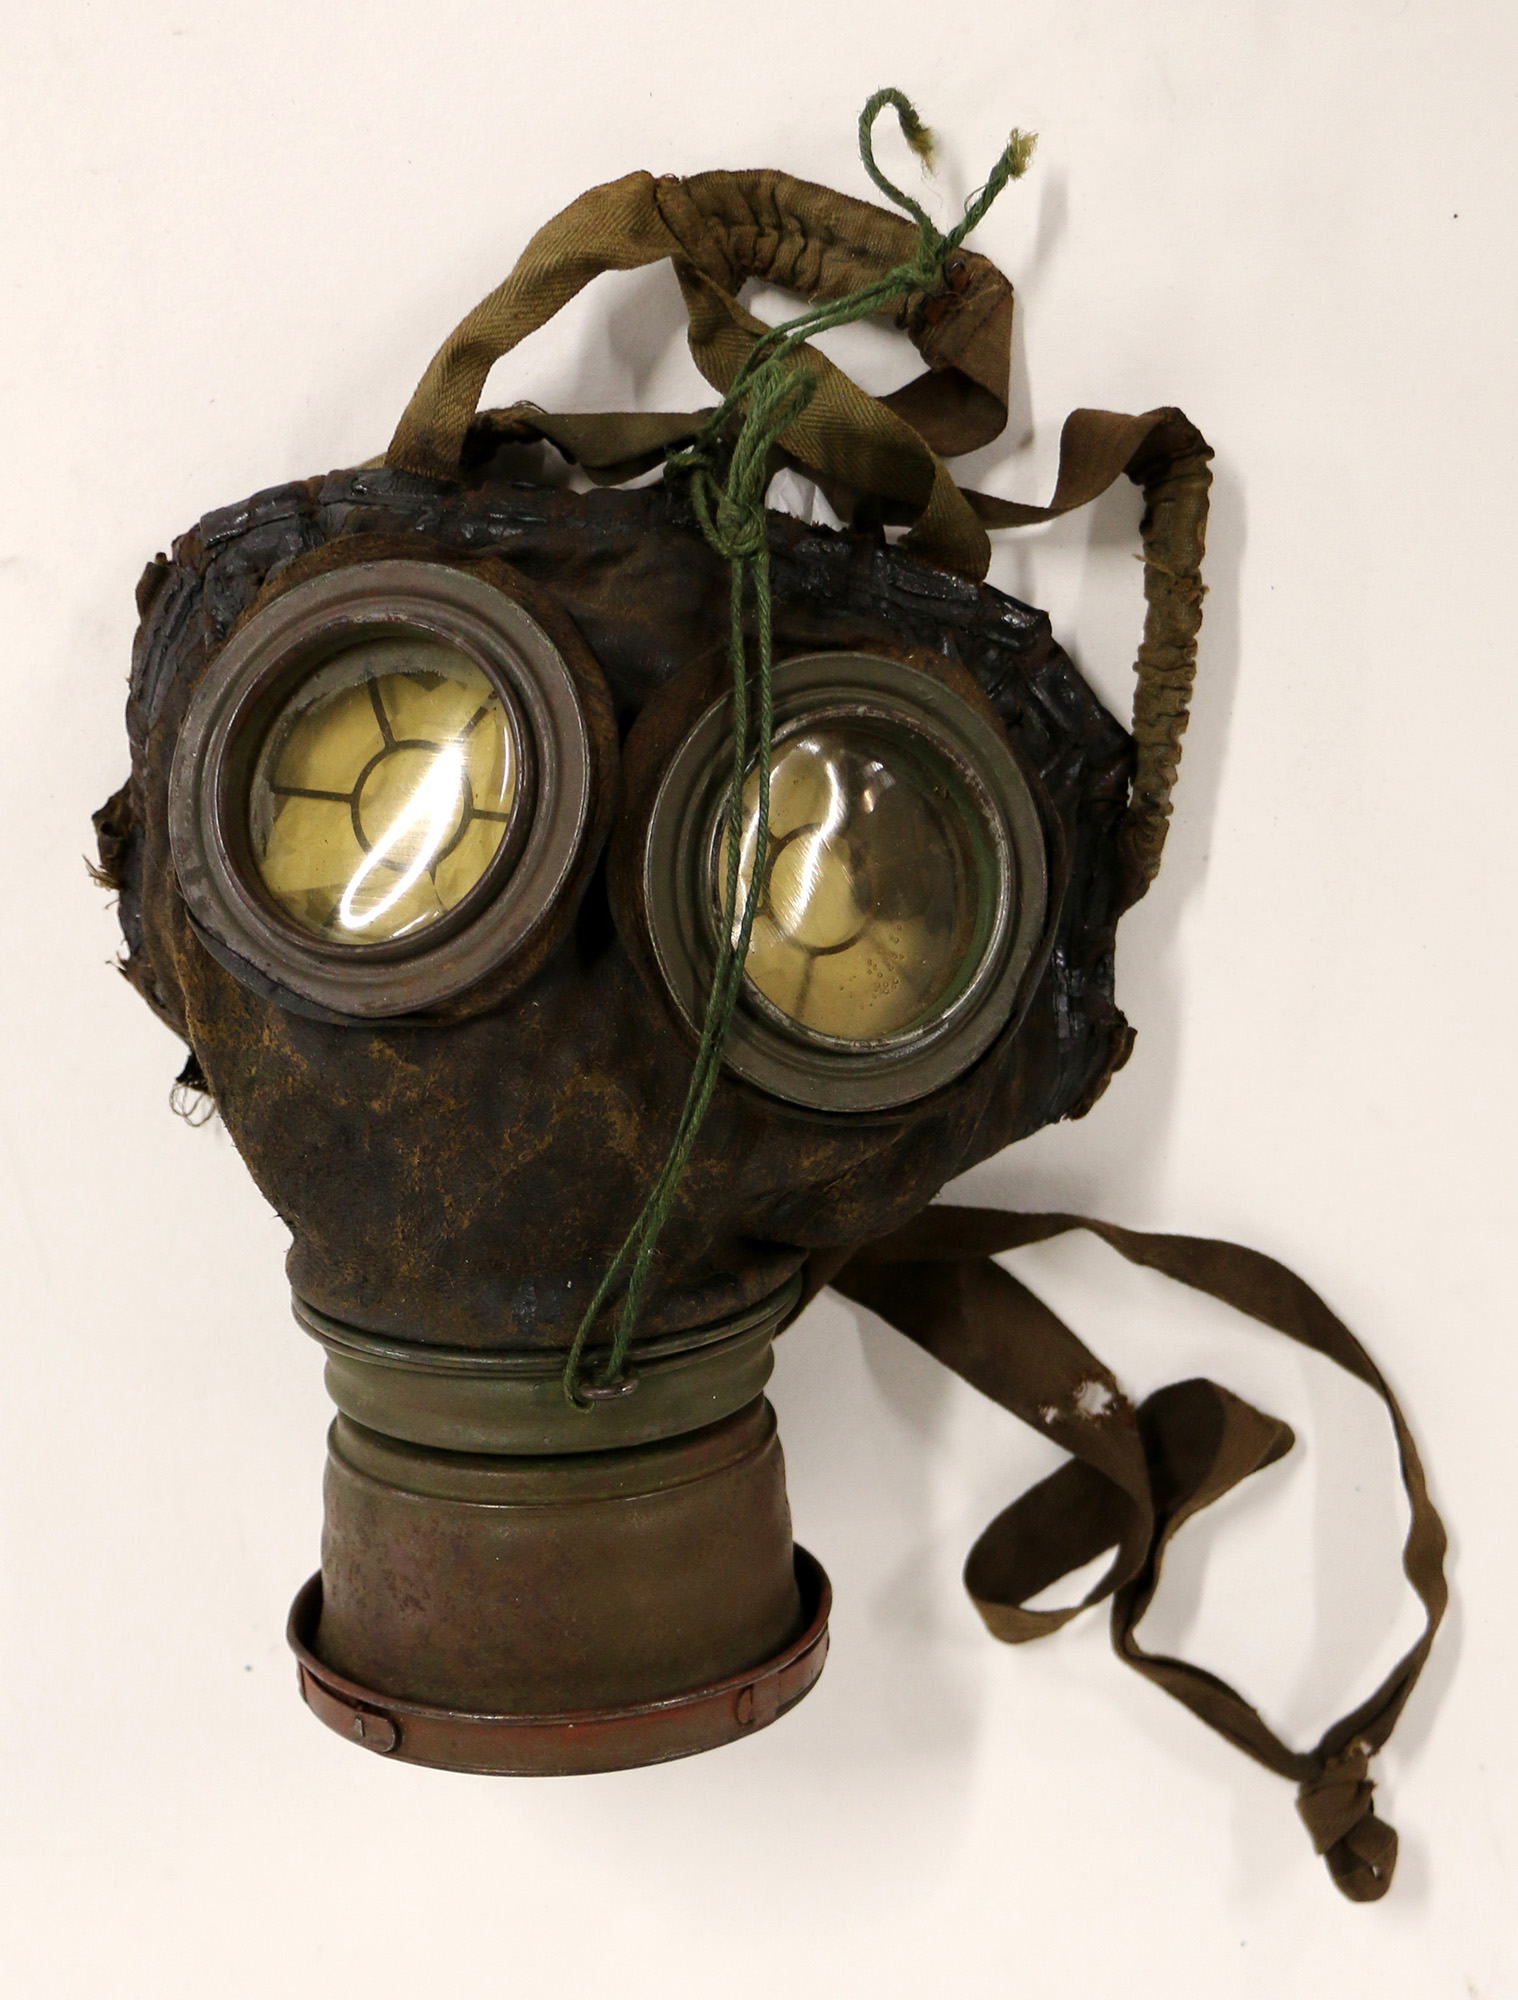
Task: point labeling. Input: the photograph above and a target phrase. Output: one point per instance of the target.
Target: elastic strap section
(1137, 1474)
(1165, 454)
(720, 230)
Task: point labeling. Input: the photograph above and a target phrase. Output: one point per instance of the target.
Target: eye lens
(382, 791)
(867, 921)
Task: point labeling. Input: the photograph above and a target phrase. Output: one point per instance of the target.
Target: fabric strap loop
(719, 231)
(1137, 1475)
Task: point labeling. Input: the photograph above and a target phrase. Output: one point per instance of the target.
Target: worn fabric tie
(1136, 1476)
(1336, 1808)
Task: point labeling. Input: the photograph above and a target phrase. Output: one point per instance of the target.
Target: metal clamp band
(512, 1401)
(608, 1739)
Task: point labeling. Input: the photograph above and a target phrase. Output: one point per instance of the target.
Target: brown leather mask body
(467, 1180)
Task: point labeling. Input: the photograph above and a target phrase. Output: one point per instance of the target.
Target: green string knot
(728, 467)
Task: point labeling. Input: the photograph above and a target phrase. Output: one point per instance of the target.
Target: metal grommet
(973, 791)
(305, 642)
(608, 1392)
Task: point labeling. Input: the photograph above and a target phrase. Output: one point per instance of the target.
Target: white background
(232, 238)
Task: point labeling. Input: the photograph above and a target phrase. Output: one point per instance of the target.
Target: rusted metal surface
(564, 1742)
(480, 1581)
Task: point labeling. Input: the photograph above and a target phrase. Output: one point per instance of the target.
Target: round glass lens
(867, 921)
(382, 791)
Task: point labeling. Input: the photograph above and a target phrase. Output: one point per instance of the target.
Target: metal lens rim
(764, 1047)
(993, 911)
(238, 699)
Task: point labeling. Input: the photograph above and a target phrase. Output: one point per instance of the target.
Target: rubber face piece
(466, 1183)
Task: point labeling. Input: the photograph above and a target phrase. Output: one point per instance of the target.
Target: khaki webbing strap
(1135, 1475)
(611, 446)
(720, 230)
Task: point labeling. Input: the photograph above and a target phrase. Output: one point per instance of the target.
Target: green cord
(772, 388)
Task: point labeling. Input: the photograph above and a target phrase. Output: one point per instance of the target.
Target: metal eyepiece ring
(904, 892)
(381, 788)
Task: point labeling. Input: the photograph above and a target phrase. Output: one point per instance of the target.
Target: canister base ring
(596, 1739)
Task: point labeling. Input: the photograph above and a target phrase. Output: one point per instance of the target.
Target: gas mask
(585, 996)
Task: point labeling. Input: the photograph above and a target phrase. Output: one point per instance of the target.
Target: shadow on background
(1053, 219)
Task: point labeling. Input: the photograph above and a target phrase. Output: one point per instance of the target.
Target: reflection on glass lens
(868, 912)
(382, 791)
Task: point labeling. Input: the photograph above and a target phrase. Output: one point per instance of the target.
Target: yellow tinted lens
(867, 915)
(382, 791)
